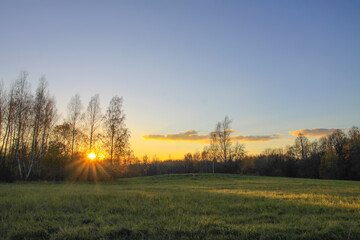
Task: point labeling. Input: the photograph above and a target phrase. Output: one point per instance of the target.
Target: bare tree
(38, 120)
(213, 154)
(237, 152)
(9, 122)
(62, 134)
(339, 141)
(145, 159)
(354, 153)
(115, 129)
(3, 110)
(49, 121)
(221, 147)
(188, 162)
(45, 113)
(74, 111)
(205, 157)
(302, 146)
(94, 117)
(2, 107)
(23, 103)
(220, 139)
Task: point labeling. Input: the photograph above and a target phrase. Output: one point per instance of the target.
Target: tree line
(336, 156)
(35, 144)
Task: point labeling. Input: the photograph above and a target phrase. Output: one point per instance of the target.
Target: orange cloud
(264, 138)
(226, 130)
(189, 136)
(193, 136)
(315, 132)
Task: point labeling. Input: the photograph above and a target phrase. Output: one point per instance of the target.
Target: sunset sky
(273, 67)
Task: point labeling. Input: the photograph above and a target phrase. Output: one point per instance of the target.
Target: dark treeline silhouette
(336, 156)
(88, 145)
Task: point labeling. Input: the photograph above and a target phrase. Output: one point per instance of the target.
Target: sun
(92, 156)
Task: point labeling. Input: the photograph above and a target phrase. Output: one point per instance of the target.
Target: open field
(182, 207)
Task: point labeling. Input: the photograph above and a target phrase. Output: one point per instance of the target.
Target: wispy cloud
(193, 136)
(189, 136)
(315, 132)
(264, 138)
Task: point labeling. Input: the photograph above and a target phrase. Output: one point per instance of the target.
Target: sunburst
(92, 156)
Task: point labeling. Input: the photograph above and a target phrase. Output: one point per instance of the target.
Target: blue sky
(271, 66)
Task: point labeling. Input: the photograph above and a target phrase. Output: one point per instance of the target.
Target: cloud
(226, 130)
(188, 136)
(193, 136)
(264, 138)
(315, 132)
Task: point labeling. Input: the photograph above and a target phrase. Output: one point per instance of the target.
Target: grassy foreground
(182, 207)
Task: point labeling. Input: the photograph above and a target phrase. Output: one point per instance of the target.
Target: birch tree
(220, 139)
(115, 128)
(74, 111)
(94, 117)
(221, 145)
(3, 109)
(23, 103)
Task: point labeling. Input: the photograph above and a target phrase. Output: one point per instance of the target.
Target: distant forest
(88, 145)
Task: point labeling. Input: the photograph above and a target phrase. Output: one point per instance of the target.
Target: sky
(274, 67)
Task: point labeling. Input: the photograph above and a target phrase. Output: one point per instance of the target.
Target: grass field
(182, 207)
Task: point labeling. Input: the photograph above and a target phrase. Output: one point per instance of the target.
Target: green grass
(182, 207)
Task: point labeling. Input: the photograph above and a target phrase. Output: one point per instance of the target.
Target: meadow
(189, 206)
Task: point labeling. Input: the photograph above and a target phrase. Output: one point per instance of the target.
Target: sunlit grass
(182, 207)
(311, 198)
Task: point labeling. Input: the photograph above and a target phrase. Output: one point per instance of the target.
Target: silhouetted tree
(354, 153)
(222, 149)
(74, 111)
(302, 146)
(220, 139)
(188, 163)
(115, 128)
(44, 116)
(23, 103)
(329, 163)
(94, 117)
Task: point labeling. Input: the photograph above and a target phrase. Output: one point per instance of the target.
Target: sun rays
(90, 167)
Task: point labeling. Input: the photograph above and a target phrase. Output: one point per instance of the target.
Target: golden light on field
(92, 156)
